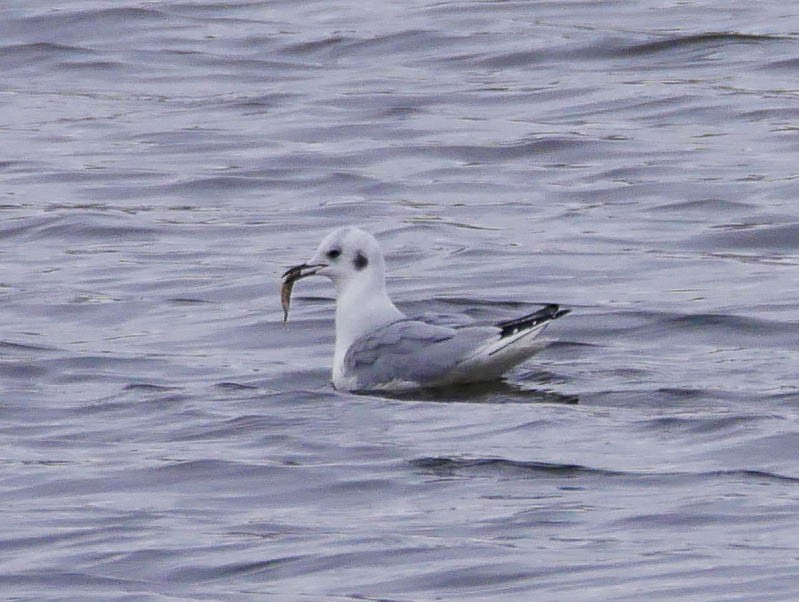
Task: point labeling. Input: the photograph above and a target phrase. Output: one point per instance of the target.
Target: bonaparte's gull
(379, 347)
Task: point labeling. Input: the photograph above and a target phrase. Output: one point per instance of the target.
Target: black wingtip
(545, 314)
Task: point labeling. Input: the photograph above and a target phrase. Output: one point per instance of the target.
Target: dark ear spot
(360, 261)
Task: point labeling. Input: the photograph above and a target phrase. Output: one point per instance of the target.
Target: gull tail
(542, 316)
(517, 340)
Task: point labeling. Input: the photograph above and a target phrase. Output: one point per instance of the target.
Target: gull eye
(333, 253)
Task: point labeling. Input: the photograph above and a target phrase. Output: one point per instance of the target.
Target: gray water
(163, 436)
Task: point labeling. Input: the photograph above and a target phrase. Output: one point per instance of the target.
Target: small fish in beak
(291, 276)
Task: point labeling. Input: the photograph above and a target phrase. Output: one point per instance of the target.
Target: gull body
(379, 347)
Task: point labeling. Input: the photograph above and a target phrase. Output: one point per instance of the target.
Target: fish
(290, 276)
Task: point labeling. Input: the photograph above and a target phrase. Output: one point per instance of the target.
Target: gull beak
(291, 276)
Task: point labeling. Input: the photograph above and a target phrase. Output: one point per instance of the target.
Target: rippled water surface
(163, 436)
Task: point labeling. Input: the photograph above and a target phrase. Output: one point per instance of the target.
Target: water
(164, 436)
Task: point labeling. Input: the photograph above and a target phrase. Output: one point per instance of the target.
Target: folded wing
(415, 353)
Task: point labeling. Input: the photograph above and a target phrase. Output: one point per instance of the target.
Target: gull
(380, 348)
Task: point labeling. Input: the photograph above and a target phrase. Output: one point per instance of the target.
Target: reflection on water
(500, 391)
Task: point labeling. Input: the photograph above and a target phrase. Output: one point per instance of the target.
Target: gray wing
(451, 320)
(412, 351)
